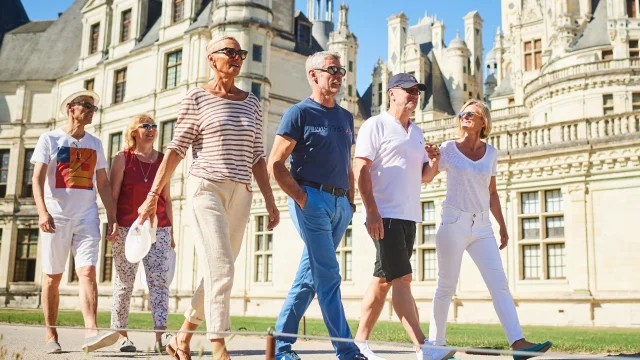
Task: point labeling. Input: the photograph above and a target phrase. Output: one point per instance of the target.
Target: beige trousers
(220, 215)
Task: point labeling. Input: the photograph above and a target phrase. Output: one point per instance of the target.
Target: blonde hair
(129, 140)
(211, 45)
(486, 115)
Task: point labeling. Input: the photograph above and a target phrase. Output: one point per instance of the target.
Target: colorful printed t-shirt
(69, 189)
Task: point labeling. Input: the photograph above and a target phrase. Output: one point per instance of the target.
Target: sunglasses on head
(87, 105)
(410, 91)
(231, 52)
(332, 70)
(464, 114)
(148, 127)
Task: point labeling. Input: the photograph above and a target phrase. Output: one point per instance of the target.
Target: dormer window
(94, 33)
(178, 11)
(125, 25)
(304, 34)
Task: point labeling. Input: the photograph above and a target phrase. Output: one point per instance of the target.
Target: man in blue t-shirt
(318, 134)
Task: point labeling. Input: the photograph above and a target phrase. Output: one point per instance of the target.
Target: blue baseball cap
(405, 81)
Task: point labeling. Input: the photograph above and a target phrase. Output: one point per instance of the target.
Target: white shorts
(82, 236)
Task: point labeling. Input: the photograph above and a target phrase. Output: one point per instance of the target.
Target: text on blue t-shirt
(324, 137)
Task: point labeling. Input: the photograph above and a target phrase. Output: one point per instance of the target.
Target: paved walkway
(29, 343)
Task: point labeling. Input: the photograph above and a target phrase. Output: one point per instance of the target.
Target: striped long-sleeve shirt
(225, 135)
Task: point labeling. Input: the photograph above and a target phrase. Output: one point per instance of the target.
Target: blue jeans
(321, 225)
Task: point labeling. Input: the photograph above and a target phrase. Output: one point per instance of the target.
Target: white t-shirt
(69, 189)
(396, 171)
(467, 181)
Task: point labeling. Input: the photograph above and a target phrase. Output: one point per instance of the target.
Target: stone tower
(320, 13)
(397, 38)
(473, 38)
(345, 43)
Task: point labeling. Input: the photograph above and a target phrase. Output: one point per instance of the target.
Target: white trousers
(220, 213)
(460, 231)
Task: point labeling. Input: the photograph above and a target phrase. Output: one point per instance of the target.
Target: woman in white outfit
(471, 165)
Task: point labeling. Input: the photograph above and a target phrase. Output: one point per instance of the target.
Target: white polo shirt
(396, 172)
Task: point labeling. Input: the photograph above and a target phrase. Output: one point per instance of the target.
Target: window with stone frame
(5, 154)
(380, 94)
(27, 174)
(344, 254)
(607, 54)
(350, 90)
(532, 54)
(125, 25)
(173, 73)
(634, 49)
(632, 8)
(635, 101)
(424, 254)
(115, 145)
(303, 34)
(119, 85)
(350, 66)
(106, 273)
(256, 54)
(89, 84)
(178, 11)
(607, 104)
(542, 236)
(263, 250)
(94, 35)
(26, 255)
(256, 89)
(166, 134)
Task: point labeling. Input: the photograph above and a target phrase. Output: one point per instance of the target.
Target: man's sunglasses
(148, 127)
(231, 52)
(87, 105)
(465, 114)
(332, 70)
(410, 91)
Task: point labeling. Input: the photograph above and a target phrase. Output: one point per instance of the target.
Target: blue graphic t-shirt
(324, 137)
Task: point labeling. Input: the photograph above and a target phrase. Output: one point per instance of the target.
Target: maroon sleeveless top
(134, 190)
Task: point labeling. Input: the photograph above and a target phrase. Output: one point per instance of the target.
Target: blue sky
(367, 20)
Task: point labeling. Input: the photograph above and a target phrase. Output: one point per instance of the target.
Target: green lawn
(566, 339)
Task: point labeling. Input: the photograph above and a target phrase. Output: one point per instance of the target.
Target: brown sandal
(174, 351)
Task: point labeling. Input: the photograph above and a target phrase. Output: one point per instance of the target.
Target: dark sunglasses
(148, 127)
(332, 70)
(464, 114)
(410, 91)
(231, 52)
(87, 105)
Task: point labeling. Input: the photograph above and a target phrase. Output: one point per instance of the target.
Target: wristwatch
(353, 207)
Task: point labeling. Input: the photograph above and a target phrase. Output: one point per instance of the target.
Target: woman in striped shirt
(223, 126)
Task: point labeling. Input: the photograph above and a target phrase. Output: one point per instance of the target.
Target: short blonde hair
(212, 44)
(486, 115)
(129, 140)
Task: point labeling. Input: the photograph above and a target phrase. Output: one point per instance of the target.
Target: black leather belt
(326, 188)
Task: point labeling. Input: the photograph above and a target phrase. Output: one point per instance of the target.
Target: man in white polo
(69, 165)
(391, 163)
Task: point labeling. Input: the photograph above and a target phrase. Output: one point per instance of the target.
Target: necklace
(142, 169)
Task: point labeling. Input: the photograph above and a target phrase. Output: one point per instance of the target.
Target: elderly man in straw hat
(69, 165)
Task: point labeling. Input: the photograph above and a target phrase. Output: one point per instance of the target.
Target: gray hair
(316, 61)
(211, 45)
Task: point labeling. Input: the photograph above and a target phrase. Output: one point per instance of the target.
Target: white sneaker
(427, 352)
(366, 351)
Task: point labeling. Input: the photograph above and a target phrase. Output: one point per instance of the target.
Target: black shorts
(393, 252)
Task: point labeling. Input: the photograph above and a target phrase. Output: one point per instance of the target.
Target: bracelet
(153, 194)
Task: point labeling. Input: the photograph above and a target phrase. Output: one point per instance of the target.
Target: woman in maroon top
(132, 173)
